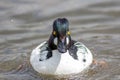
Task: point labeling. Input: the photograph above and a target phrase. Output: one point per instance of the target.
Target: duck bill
(62, 48)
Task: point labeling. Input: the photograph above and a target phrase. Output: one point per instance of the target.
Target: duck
(60, 54)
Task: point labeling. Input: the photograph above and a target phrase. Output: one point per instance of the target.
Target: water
(24, 24)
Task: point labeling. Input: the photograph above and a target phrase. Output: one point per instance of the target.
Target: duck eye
(68, 32)
(54, 33)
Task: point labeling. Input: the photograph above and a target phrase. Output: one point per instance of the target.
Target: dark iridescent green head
(61, 32)
(61, 26)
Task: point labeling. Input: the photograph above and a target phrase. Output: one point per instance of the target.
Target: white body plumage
(61, 64)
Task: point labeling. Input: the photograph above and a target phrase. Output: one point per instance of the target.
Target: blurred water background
(24, 24)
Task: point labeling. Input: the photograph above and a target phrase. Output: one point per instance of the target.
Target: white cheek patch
(67, 40)
(55, 41)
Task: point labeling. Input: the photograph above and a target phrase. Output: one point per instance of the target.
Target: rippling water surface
(24, 24)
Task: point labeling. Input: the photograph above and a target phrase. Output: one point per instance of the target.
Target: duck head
(61, 32)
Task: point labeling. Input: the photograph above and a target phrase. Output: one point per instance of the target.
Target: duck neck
(51, 44)
(71, 42)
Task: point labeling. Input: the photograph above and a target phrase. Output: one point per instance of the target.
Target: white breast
(60, 64)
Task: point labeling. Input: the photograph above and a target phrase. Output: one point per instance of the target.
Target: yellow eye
(68, 32)
(54, 32)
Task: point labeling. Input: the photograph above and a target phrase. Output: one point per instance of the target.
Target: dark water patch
(105, 31)
(28, 17)
(21, 1)
(9, 32)
(105, 4)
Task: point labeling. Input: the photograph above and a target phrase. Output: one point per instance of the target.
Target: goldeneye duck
(60, 54)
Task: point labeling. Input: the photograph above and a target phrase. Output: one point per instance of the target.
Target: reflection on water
(24, 24)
